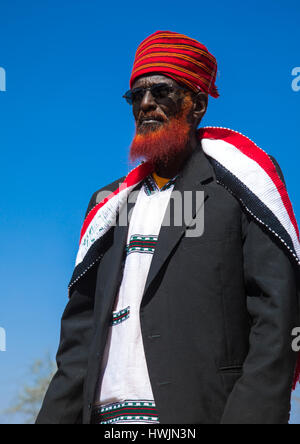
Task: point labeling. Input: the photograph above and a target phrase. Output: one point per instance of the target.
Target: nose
(148, 103)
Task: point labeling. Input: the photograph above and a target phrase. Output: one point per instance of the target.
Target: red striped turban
(177, 56)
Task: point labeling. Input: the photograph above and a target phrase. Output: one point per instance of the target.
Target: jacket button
(157, 336)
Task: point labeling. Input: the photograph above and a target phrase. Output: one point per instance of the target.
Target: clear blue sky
(65, 130)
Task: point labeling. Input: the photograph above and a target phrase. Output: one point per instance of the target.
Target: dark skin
(149, 115)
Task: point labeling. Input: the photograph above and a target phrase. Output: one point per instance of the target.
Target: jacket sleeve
(63, 402)
(262, 394)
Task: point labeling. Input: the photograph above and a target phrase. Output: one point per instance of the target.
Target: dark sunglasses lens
(137, 95)
(160, 91)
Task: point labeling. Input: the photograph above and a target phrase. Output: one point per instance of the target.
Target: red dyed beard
(161, 145)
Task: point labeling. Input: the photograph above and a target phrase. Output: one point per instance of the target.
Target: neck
(175, 164)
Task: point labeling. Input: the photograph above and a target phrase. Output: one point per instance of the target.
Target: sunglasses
(159, 92)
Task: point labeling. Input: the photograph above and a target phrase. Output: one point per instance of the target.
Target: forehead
(149, 80)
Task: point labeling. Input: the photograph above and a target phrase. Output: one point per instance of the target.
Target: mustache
(151, 116)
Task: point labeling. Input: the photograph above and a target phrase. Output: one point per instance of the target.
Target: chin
(148, 128)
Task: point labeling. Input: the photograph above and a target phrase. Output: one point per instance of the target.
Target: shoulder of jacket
(278, 169)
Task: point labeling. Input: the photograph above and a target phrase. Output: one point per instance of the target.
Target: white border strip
(255, 178)
(103, 220)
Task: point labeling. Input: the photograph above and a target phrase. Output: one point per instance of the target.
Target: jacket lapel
(196, 172)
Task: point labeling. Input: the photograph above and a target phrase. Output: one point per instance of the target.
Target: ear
(200, 106)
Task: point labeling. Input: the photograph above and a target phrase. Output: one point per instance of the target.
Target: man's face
(151, 112)
(163, 116)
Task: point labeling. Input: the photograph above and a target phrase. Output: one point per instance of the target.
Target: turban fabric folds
(177, 56)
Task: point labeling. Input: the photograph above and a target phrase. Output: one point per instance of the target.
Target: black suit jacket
(216, 318)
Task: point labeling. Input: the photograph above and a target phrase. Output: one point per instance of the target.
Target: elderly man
(166, 325)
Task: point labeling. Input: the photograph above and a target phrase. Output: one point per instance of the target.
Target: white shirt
(124, 393)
